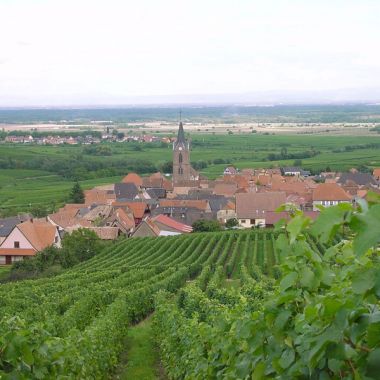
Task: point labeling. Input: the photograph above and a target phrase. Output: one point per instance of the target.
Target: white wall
(16, 235)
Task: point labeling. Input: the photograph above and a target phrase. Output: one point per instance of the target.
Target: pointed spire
(181, 134)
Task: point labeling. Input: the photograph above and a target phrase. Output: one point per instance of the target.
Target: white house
(329, 194)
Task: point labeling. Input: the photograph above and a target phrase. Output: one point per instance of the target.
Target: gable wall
(16, 235)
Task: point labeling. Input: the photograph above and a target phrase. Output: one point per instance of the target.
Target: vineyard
(228, 305)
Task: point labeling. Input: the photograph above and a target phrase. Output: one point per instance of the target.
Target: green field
(97, 301)
(40, 175)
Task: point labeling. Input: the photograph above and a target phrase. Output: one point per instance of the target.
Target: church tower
(181, 158)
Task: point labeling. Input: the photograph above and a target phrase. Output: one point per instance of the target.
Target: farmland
(96, 302)
(42, 175)
(225, 305)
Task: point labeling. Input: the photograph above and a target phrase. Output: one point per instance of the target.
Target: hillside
(258, 303)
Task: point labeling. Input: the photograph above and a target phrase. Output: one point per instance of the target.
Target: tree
(297, 162)
(232, 223)
(167, 167)
(76, 194)
(80, 245)
(203, 225)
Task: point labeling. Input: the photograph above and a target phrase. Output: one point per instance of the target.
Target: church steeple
(181, 158)
(181, 139)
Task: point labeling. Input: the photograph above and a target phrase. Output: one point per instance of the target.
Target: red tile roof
(106, 233)
(39, 234)
(330, 192)
(163, 219)
(376, 173)
(137, 208)
(199, 204)
(133, 178)
(254, 205)
(17, 252)
(123, 218)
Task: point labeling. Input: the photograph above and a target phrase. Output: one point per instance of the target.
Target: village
(157, 206)
(108, 135)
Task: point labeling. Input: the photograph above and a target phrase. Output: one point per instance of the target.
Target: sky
(79, 52)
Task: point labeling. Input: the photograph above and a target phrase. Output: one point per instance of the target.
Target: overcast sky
(112, 52)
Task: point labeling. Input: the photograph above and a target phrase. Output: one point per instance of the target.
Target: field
(22, 189)
(41, 175)
(95, 303)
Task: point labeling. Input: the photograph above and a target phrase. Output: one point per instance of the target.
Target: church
(183, 174)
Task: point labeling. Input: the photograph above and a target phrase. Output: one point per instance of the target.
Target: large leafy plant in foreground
(325, 317)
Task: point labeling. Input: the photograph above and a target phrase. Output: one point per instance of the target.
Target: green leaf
(367, 227)
(329, 221)
(287, 358)
(363, 281)
(296, 225)
(373, 364)
(289, 280)
(281, 319)
(307, 278)
(258, 373)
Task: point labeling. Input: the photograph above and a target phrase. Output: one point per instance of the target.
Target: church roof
(181, 135)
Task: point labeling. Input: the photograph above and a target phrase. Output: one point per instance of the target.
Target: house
(133, 178)
(28, 238)
(230, 170)
(169, 226)
(126, 191)
(272, 217)
(294, 170)
(226, 212)
(376, 174)
(225, 189)
(138, 209)
(158, 181)
(7, 225)
(202, 204)
(251, 207)
(186, 215)
(99, 197)
(146, 229)
(123, 220)
(67, 219)
(356, 178)
(329, 194)
(106, 233)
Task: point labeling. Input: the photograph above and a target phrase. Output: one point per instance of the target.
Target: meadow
(33, 175)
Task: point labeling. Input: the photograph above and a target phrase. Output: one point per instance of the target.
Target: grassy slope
(140, 360)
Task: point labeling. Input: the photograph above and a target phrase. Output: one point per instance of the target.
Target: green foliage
(320, 320)
(232, 223)
(98, 150)
(79, 246)
(203, 225)
(76, 194)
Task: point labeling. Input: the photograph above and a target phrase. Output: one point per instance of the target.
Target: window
(180, 171)
(16, 244)
(56, 240)
(243, 220)
(252, 221)
(180, 158)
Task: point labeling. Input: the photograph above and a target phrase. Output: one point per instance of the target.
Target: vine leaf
(367, 227)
